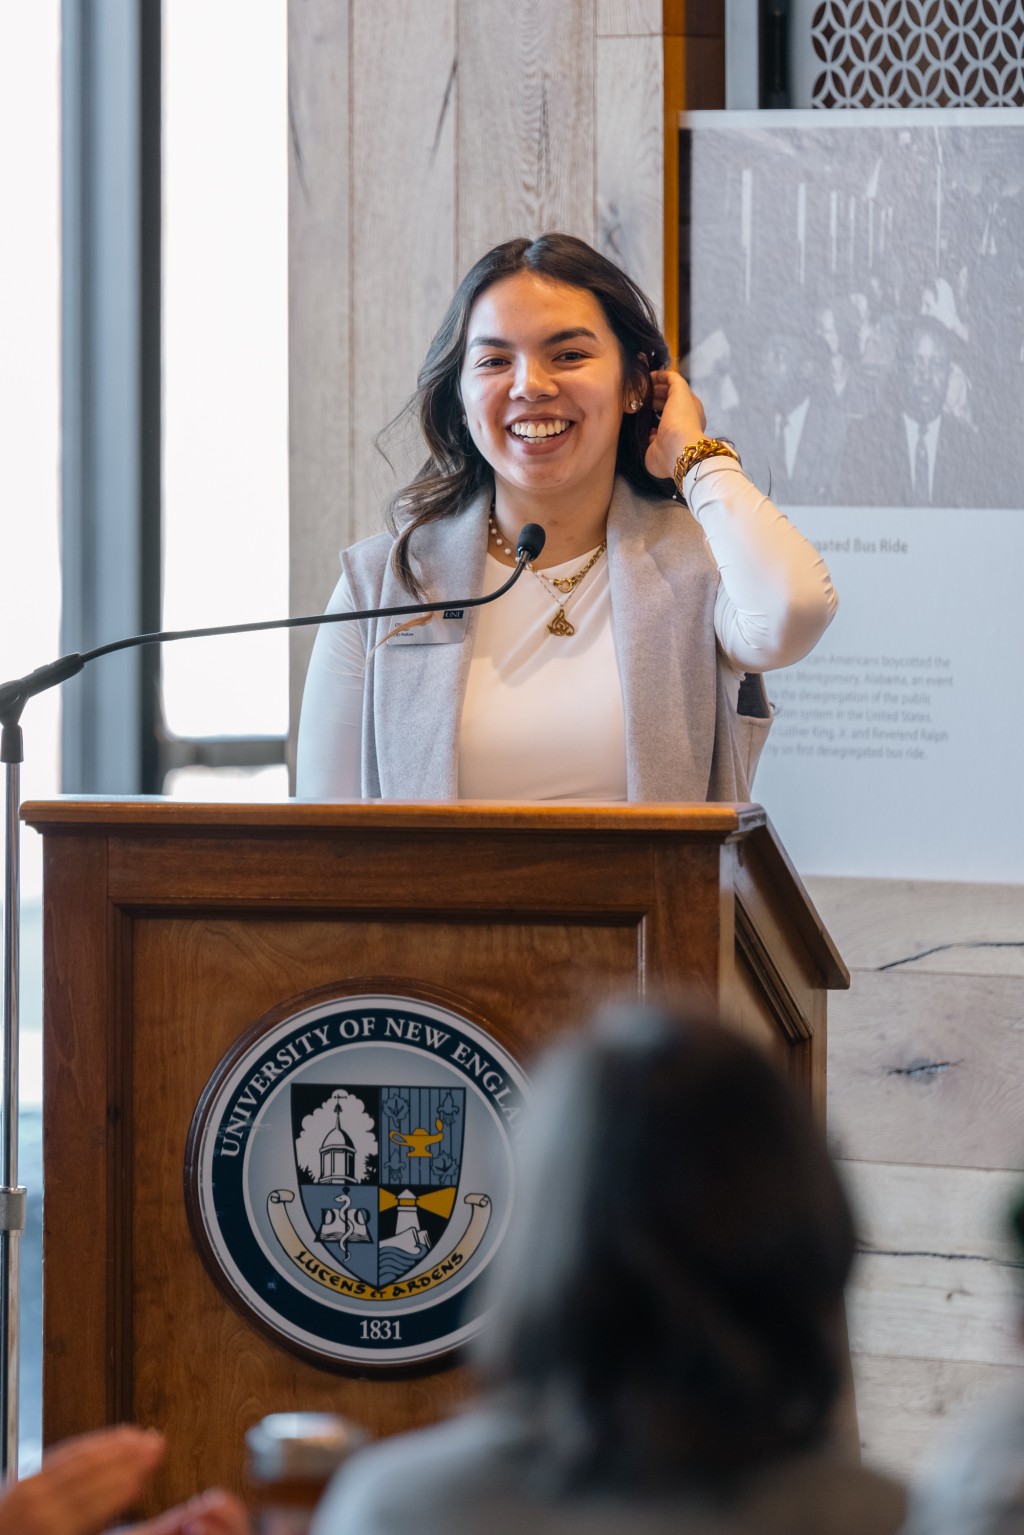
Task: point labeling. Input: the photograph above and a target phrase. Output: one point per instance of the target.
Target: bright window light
(225, 339)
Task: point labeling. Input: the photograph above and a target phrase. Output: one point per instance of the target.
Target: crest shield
(378, 1172)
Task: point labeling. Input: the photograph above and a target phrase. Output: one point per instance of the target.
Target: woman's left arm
(776, 597)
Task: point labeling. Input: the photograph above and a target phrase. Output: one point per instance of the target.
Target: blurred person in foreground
(666, 1347)
(86, 1482)
(974, 1484)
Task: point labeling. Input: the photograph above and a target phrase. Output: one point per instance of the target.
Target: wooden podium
(170, 930)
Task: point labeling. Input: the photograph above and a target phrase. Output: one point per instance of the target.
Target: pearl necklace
(496, 534)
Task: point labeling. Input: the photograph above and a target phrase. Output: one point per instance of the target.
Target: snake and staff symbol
(343, 1225)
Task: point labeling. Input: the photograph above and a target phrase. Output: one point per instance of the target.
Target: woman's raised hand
(681, 422)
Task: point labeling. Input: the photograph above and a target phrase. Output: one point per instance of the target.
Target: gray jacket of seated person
(684, 738)
(477, 1474)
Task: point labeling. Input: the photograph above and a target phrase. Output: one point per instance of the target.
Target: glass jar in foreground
(291, 1458)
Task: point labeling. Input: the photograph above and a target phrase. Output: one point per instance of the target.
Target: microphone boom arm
(14, 695)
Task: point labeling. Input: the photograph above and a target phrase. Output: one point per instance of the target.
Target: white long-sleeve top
(542, 717)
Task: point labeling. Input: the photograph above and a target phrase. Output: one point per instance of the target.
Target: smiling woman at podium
(626, 663)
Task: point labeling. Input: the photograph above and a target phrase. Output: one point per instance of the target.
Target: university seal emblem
(349, 1176)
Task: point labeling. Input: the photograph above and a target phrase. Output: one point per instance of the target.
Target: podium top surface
(477, 815)
(143, 819)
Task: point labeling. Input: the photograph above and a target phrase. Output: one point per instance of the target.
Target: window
(29, 552)
(225, 351)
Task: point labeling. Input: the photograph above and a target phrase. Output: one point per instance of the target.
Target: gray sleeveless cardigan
(684, 738)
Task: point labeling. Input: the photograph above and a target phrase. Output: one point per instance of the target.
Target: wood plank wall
(422, 131)
(926, 1111)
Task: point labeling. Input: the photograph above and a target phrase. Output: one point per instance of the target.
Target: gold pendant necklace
(565, 585)
(560, 625)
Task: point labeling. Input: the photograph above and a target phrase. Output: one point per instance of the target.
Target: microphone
(530, 542)
(15, 694)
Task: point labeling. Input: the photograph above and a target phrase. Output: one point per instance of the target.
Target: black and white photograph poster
(856, 326)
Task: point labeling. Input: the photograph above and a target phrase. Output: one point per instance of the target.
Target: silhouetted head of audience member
(926, 367)
(668, 1309)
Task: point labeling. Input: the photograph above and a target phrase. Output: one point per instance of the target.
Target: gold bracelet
(704, 447)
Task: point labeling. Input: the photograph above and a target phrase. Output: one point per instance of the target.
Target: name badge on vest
(445, 628)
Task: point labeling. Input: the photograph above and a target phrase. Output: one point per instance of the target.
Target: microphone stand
(14, 696)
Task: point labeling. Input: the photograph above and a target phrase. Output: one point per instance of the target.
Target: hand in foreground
(682, 422)
(83, 1484)
(86, 1482)
(211, 1513)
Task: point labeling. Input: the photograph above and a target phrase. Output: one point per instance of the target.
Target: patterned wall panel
(918, 53)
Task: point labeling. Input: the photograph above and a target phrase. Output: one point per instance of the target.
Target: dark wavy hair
(668, 1306)
(454, 469)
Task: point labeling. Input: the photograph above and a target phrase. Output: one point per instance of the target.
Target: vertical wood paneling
(631, 159)
(673, 102)
(319, 311)
(526, 121)
(402, 178)
(694, 43)
(705, 73)
(82, 1216)
(628, 18)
